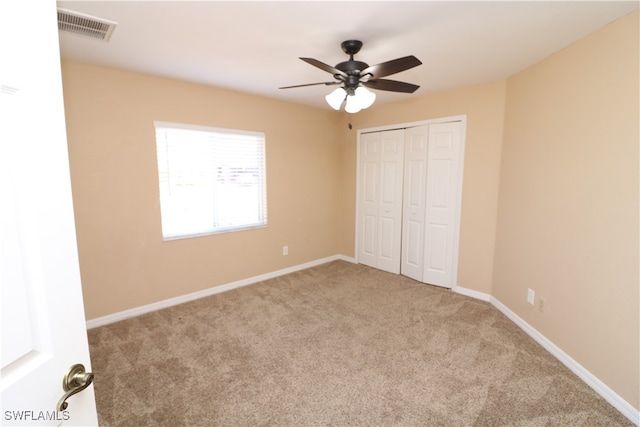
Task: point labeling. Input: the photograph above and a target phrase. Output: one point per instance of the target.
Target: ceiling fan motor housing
(352, 69)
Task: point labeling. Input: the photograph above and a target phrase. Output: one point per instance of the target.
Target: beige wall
(568, 212)
(484, 107)
(124, 262)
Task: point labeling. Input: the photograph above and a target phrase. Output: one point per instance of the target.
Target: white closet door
(368, 199)
(380, 204)
(443, 173)
(414, 207)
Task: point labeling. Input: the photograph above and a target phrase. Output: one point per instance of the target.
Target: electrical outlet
(531, 296)
(285, 250)
(541, 303)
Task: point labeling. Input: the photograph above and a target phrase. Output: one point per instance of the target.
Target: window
(211, 180)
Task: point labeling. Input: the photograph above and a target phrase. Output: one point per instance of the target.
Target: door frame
(458, 211)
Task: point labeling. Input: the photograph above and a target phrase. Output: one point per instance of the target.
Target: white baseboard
(601, 388)
(471, 293)
(137, 311)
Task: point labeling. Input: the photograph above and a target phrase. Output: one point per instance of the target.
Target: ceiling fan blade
(323, 66)
(391, 67)
(391, 85)
(311, 84)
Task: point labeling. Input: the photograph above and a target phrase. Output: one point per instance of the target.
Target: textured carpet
(337, 344)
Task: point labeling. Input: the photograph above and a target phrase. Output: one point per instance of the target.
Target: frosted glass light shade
(335, 98)
(365, 97)
(353, 104)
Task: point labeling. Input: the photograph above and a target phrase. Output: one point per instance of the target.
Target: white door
(43, 325)
(380, 199)
(369, 152)
(413, 212)
(443, 176)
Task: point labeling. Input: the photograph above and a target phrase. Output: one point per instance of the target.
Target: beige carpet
(338, 344)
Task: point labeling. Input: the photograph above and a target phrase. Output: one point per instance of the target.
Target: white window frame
(211, 180)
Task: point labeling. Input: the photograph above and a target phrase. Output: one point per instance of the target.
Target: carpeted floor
(338, 344)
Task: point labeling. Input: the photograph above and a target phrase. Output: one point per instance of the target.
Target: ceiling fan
(355, 76)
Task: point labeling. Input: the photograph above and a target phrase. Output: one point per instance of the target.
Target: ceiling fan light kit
(360, 99)
(355, 76)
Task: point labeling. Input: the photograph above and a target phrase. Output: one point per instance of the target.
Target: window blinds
(211, 180)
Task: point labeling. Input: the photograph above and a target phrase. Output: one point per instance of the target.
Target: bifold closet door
(430, 207)
(380, 199)
(442, 206)
(414, 203)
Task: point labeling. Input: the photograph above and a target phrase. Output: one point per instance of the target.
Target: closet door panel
(437, 248)
(413, 213)
(368, 243)
(390, 206)
(441, 206)
(380, 199)
(368, 199)
(413, 248)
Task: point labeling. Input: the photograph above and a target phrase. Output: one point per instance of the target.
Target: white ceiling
(254, 46)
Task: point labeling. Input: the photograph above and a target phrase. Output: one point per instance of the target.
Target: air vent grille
(85, 25)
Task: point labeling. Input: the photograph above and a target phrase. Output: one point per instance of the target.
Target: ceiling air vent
(85, 25)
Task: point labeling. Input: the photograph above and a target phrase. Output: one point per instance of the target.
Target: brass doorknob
(75, 380)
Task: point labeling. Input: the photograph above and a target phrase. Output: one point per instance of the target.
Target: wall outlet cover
(531, 296)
